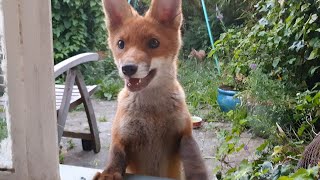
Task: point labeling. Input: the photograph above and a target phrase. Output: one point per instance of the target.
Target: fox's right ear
(116, 12)
(167, 12)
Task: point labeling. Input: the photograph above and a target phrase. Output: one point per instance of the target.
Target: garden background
(268, 50)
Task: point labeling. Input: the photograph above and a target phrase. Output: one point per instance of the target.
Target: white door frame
(30, 84)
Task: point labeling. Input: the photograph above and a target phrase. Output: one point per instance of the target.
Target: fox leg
(192, 161)
(117, 164)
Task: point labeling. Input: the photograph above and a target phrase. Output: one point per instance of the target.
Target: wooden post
(31, 90)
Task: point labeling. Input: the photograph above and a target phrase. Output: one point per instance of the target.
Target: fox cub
(152, 130)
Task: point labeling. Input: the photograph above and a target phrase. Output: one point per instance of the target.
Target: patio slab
(105, 111)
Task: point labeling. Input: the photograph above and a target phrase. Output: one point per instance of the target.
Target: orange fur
(152, 130)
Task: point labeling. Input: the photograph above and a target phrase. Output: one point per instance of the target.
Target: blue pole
(129, 1)
(209, 32)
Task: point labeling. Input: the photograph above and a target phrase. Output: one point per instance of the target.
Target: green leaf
(275, 62)
(304, 7)
(277, 150)
(313, 18)
(292, 60)
(67, 24)
(314, 54)
(240, 148)
(313, 69)
(315, 42)
(301, 130)
(211, 53)
(285, 178)
(92, 3)
(263, 146)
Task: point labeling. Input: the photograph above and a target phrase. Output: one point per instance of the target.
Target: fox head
(145, 48)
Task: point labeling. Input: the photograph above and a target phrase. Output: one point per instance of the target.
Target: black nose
(129, 70)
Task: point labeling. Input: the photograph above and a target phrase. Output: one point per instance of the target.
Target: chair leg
(87, 145)
(89, 111)
(65, 104)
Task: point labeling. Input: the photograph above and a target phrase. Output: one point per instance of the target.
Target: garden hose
(210, 34)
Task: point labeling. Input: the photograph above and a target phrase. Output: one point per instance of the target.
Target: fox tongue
(134, 81)
(136, 84)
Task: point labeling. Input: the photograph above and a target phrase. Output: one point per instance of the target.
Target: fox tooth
(139, 80)
(129, 84)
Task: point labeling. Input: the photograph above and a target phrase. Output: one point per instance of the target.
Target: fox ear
(167, 12)
(116, 12)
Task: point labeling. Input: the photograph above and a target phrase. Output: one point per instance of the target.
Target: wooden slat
(60, 88)
(75, 97)
(85, 136)
(73, 62)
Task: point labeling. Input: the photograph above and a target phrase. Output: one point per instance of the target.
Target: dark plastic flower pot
(227, 100)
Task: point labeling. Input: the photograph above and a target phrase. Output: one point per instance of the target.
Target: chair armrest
(74, 61)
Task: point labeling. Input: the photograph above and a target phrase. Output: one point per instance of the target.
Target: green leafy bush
(231, 13)
(284, 42)
(306, 115)
(105, 74)
(78, 26)
(271, 61)
(110, 86)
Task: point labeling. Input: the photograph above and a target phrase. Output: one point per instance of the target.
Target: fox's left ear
(117, 12)
(167, 12)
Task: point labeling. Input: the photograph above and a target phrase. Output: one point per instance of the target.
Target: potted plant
(226, 96)
(232, 81)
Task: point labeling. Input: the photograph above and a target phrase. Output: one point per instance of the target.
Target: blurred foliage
(105, 74)
(3, 129)
(78, 26)
(221, 14)
(198, 81)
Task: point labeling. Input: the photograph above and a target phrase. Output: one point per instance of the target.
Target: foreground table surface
(80, 173)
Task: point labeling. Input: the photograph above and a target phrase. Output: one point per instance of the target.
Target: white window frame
(28, 40)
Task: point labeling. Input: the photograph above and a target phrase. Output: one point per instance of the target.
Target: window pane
(5, 139)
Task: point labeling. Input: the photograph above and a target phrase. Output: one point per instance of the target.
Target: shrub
(105, 74)
(272, 60)
(78, 26)
(195, 33)
(110, 86)
(284, 42)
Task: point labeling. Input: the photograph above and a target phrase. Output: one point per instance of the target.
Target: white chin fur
(165, 71)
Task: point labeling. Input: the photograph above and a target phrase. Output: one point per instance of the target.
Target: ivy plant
(78, 26)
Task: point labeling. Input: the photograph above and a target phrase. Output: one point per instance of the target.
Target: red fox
(152, 130)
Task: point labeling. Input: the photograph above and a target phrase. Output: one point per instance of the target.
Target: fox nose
(129, 70)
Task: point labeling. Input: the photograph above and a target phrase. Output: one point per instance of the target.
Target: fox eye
(121, 44)
(153, 43)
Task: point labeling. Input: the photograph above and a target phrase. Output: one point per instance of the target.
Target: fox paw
(107, 176)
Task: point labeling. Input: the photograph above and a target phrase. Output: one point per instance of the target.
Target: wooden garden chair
(73, 93)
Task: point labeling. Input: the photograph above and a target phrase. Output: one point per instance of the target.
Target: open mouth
(136, 84)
